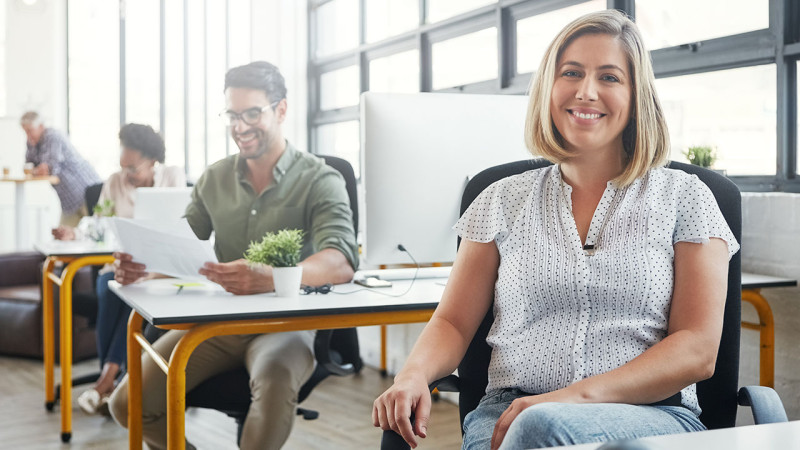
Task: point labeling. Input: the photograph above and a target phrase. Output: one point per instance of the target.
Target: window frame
(779, 44)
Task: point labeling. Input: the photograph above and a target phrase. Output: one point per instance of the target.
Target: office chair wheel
(435, 396)
(308, 414)
(65, 437)
(49, 406)
(384, 373)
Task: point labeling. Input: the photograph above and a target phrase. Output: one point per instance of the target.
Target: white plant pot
(287, 280)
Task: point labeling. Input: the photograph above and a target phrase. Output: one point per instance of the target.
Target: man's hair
(30, 118)
(259, 75)
(143, 139)
(645, 139)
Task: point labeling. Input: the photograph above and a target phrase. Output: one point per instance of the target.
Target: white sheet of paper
(165, 248)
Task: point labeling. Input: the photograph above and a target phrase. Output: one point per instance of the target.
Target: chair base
(308, 414)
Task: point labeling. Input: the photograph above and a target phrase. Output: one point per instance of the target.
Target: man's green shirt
(307, 194)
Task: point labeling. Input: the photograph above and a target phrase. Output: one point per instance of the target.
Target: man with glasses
(268, 186)
(51, 153)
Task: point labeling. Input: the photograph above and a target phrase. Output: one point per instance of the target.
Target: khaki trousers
(279, 364)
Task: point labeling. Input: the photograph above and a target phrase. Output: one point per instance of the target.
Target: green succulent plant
(703, 156)
(279, 249)
(104, 209)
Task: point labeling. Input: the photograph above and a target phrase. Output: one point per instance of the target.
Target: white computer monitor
(161, 203)
(418, 152)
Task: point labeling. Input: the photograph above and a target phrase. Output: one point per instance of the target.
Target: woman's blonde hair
(645, 139)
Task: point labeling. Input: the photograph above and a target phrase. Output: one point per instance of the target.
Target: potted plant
(99, 226)
(281, 251)
(701, 155)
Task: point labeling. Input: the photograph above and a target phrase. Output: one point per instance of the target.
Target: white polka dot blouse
(561, 314)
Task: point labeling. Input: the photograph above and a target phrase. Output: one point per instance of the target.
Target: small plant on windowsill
(702, 155)
(281, 251)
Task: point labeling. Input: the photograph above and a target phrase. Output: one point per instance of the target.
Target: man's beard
(263, 144)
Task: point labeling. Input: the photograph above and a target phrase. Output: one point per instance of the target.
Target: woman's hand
(126, 271)
(523, 403)
(63, 233)
(392, 410)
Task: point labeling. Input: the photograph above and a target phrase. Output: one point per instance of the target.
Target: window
(339, 88)
(443, 9)
(142, 63)
(2, 59)
(535, 33)
(730, 91)
(712, 109)
(395, 73)
(198, 48)
(465, 59)
(342, 140)
(93, 82)
(387, 18)
(337, 27)
(665, 24)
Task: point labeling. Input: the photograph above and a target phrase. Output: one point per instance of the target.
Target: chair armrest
(324, 355)
(20, 268)
(392, 440)
(764, 402)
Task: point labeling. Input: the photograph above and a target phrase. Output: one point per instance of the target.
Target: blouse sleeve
(699, 218)
(485, 219)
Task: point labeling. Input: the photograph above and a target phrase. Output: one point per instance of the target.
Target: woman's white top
(561, 315)
(123, 194)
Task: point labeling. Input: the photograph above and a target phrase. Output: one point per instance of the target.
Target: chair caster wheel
(65, 437)
(384, 373)
(49, 405)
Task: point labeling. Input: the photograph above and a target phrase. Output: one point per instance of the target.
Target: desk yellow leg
(766, 328)
(48, 331)
(65, 316)
(134, 382)
(383, 351)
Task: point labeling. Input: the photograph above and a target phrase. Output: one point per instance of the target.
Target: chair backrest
(717, 395)
(91, 196)
(344, 168)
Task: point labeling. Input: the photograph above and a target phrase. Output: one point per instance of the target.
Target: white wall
(35, 79)
(771, 233)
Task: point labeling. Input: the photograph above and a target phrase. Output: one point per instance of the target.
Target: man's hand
(237, 277)
(126, 271)
(42, 170)
(63, 233)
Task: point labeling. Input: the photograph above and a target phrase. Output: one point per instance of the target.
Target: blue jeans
(555, 424)
(112, 323)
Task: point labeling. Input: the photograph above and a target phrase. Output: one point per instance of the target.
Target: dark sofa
(21, 308)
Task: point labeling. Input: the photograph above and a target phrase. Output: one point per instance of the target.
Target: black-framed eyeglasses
(249, 116)
(324, 289)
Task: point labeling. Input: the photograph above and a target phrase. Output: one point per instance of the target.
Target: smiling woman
(590, 266)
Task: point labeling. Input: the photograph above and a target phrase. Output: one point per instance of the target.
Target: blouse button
(253, 212)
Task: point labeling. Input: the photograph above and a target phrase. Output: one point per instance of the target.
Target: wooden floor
(25, 424)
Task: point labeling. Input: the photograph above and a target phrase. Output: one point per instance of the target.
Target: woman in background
(607, 270)
(141, 164)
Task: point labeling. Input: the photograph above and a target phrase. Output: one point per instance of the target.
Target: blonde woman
(607, 270)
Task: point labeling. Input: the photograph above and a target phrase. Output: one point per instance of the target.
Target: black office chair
(336, 351)
(717, 395)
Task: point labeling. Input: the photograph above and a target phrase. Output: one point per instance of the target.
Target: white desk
(20, 217)
(75, 255)
(774, 436)
(207, 311)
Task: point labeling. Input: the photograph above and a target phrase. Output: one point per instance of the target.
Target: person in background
(52, 153)
(141, 162)
(608, 271)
